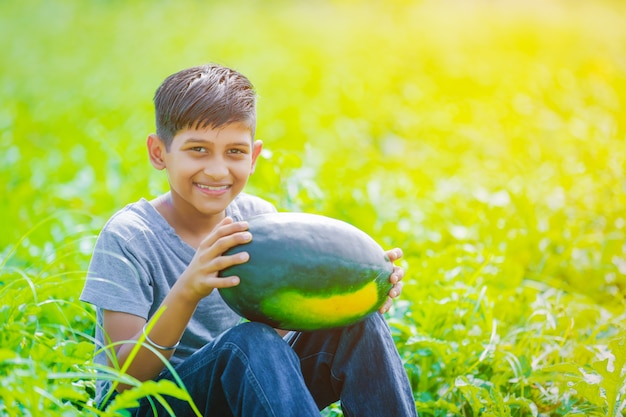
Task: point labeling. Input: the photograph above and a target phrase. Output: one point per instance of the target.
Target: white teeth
(208, 187)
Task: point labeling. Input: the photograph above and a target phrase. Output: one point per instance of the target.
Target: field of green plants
(485, 138)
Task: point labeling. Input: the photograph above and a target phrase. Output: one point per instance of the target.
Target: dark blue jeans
(250, 371)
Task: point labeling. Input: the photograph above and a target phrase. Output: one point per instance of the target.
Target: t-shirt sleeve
(247, 205)
(117, 279)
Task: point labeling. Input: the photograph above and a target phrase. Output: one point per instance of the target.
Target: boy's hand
(395, 278)
(201, 276)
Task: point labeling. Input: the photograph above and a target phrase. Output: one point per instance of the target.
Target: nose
(216, 169)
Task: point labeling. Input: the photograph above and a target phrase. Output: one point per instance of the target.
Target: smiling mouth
(213, 187)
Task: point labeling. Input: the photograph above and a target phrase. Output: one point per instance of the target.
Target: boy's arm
(395, 278)
(167, 331)
(196, 282)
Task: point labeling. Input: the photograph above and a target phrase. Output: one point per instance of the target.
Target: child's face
(208, 167)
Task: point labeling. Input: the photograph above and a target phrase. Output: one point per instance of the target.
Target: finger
(224, 261)
(224, 282)
(398, 272)
(392, 292)
(221, 245)
(226, 220)
(394, 254)
(397, 275)
(396, 290)
(385, 307)
(230, 241)
(224, 228)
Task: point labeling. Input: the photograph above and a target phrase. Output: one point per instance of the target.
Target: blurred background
(426, 122)
(485, 138)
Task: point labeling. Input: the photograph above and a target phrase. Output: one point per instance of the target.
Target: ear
(156, 151)
(257, 146)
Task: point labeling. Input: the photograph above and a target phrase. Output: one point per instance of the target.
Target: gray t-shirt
(137, 258)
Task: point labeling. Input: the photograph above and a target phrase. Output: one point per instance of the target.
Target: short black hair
(203, 96)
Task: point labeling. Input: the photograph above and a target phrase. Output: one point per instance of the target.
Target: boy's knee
(253, 347)
(253, 338)
(376, 322)
(371, 333)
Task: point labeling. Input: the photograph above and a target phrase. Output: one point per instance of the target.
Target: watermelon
(307, 272)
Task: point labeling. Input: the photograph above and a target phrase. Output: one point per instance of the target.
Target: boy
(167, 253)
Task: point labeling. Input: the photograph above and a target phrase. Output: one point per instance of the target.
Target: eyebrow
(203, 141)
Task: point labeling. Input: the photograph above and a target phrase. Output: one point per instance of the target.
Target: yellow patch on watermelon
(314, 310)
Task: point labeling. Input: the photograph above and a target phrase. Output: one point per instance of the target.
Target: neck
(190, 225)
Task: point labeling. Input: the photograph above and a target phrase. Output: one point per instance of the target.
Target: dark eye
(199, 149)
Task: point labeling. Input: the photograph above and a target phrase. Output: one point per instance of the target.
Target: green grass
(485, 139)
